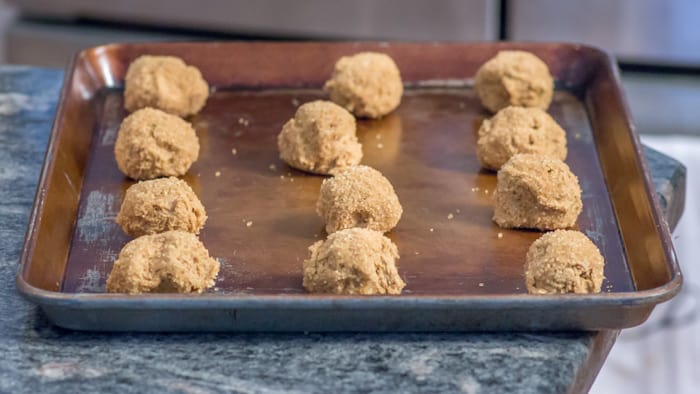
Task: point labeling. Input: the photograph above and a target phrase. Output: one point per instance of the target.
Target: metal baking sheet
(462, 271)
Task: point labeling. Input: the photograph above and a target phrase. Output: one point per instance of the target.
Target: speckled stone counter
(38, 358)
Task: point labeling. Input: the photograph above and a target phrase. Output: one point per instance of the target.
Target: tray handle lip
(29, 242)
(635, 299)
(661, 224)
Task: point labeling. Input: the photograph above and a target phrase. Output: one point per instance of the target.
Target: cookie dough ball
(170, 262)
(563, 261)
(353, 261)
(320, 138)
(153, 144)
(368, 84)
(358, 196)
(160, 205)
(514, 78)
(539, 192)
(519, 130)
(166, 83)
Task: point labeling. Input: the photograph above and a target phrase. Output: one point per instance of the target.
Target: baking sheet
(462, 271)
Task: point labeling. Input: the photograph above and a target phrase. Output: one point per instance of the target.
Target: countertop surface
(38, 358)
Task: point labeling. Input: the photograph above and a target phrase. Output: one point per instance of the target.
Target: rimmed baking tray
(462, 271)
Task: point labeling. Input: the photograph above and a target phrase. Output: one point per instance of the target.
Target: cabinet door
(642, 31)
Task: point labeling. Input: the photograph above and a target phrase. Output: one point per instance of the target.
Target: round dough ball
(153, 144)
(563, 261)
(368, 84)
(519, 130)
(160, 205)
(539, 192)
(353, 261)
(320, 138)
(166, 83)
(514, 78)
(170, 262)
(358, 196)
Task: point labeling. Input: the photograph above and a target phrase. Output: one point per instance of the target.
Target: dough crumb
(353, 261)
(160, 205)
(450, 216)
(217, 174)
(170, 262)
(152, 144)
(500, 235)
(564, 261)
(234, 151)
(432, 229)
(519, 130)
(165, 83)
(320, 139)
(368, 84)
(248, 223)
(514, 78)
(536, 192)
(358, 196)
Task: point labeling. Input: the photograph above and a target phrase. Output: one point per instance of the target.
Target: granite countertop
(40, 358)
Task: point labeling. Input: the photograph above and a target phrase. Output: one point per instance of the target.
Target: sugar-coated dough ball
(320, 138)
(367, 84)
(165, 83)
(353, 261)
(153, 144)
(170, 262)
(519, 130)
(539, 192)
(514, 78)
(160, 205)
(563, 261)
(358, 196)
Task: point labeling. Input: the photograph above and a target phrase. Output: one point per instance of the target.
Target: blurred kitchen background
(657, 43)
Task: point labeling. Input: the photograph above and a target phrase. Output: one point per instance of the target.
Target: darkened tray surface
(460, 273)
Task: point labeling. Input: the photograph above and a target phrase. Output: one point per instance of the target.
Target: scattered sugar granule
(249, 223)
(281, 176)
(380, 145)
(217, 174)
(457, 210)
(475, 189)
(378, 136)
(432, 229)
(238, 133)
(481, 284)
(577, 136)
(486, 191)
(295, 102)
(450, 217)
(272, 167)
(234, 151)
(500, 235)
